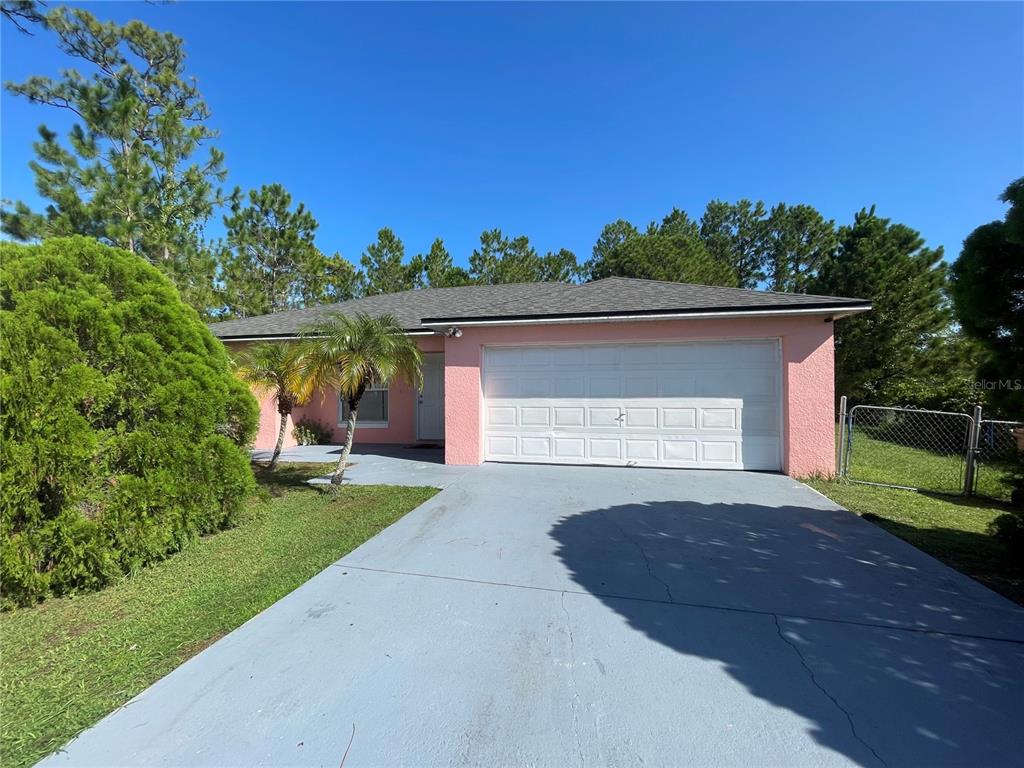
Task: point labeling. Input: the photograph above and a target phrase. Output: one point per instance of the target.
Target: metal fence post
(842, 436)
(971, 467)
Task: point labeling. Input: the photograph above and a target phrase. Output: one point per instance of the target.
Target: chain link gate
(995, 458)
(908, 448)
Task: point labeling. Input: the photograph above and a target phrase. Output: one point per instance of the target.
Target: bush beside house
(312, 432)
(124, 430)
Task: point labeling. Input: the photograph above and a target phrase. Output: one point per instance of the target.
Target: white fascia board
(834, 312)
(296, 337)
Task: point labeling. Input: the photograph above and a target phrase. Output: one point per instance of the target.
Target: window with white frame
(373, 408)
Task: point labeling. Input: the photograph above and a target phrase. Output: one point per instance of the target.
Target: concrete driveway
(565, 616)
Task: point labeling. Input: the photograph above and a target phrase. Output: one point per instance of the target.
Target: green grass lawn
(880, 461)
(69, 661)
(953, 529)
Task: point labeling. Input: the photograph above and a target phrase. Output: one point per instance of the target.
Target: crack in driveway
(820, 687)
(890, 627)
(572, 678)
(643, 554)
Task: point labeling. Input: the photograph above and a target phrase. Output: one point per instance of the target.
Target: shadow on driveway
(902, 661)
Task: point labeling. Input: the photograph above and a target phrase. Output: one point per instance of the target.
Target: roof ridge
(759, 291)
(335, 305)
(624, 296)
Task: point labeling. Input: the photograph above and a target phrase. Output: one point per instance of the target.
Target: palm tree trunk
(339, 473)
(280, 439)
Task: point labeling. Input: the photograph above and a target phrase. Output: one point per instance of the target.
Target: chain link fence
(995, 458)
(908, 448)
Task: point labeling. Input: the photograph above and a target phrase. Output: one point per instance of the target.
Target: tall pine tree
(383, 270)
(271, 262)
(501, 259)
(672, 250)
(435, 268)
(734, 234)
(889, 264)
(132, 171)
(797, 241)
(988, 294)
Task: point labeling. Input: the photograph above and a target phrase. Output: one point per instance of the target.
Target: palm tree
(278, 369)
(354, 352)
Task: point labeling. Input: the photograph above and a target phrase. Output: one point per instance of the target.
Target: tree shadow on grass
(974, 502)
(887, 655)
(981, 556)
(287, 477)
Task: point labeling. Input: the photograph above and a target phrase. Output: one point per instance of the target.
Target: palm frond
(351, 352)
(275, 368)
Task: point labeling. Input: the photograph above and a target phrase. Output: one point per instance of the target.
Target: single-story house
(616, 371)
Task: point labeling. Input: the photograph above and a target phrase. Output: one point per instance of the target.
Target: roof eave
(297, 336)
(835, 312)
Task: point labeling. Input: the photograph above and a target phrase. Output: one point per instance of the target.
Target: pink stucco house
(617, 371)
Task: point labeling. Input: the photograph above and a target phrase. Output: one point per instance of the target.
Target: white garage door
(707, 405)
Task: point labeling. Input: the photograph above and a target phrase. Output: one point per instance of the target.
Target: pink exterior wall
(270, 420)
(324, 407)
(807, 379)
(808, 376)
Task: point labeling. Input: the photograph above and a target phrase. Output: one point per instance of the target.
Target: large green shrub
(123, 429)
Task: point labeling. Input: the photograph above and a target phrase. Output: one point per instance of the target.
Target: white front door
(671, 404)
(430, 402)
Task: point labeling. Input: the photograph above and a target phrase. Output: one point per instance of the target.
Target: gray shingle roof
(524, 301)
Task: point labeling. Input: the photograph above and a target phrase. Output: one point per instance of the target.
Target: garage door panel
(534, 386)
(536, 356)
(604, 417)
(719, 384)
(677, 385)
(641, 386)
(640, 417)
(680, 450)
(568, 357)
(605, 448)
(501, 446)
(764, 354)
(535, 416)
(535, 447)
(504, 357)
(760, 452)
(602, 355)
(679, 418)
(642, 355)
(501, 416)
(755, 384)
(570, 416)
(760, 419)
(719, 451)
(501, 386)
(719, 418)
(678, 354)
(605, 386)
(641, 450)
(569, 386)
(570, 448)
(672, 404)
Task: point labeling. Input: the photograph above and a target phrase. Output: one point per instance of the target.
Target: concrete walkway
(568, 616)
(377, 464)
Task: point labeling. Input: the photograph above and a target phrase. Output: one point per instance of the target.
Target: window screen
(373, 406)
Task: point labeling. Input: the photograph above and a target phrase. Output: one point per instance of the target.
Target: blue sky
(553, 119)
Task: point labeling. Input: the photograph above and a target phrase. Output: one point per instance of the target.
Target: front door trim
(436, 358)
